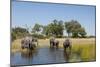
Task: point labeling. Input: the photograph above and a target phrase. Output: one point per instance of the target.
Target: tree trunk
(68, 35)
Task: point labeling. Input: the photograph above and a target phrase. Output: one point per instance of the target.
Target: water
(43, 56)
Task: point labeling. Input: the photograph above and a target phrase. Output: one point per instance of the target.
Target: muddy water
(43, 56)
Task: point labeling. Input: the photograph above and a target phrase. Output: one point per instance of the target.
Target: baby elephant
(67, 44)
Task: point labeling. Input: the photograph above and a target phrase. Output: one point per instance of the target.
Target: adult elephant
(67, 44)
(54, 43)
(28, 42)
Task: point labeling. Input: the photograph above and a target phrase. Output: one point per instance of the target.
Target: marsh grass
(87, 52)
(16, 44)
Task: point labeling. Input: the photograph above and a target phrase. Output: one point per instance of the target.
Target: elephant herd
(55, 43)
(31, 43)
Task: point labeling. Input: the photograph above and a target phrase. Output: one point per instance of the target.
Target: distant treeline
(73, 28)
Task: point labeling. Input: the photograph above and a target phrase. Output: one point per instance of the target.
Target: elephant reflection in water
(29, 54)
(66, 56)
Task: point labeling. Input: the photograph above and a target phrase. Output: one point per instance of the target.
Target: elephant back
(52, 39)
(56, 41)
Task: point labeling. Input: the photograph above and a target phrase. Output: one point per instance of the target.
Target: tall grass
(86, 52)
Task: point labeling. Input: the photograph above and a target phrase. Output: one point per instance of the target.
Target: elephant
(35, 41)
(54, 42)
(67, 44)
(28, 42)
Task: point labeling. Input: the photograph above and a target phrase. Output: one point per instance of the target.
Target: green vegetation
(18, 32)
(56, 28)
(36, 28)
(74, 27)
(86, 52)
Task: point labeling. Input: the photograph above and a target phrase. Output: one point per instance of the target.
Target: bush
(13, 36)
(40, 36)
(59, 36)
(91, 36)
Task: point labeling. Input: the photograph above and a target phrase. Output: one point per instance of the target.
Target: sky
(44, 13)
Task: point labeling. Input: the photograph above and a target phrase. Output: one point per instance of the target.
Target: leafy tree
(82, 32)
(36, 28)
(74, 27)
(19, 29)
(44, 30)
(18, 32)
(54, 29)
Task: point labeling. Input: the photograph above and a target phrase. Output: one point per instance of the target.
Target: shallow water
(43, 56)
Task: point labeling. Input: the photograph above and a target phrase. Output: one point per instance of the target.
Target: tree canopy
(18, 32)
(74, 27)
(55, 28)
(36, 28)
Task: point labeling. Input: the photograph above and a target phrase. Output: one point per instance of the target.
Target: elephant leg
(22, 47)
(64, 48)
(30, 46)
(70, 47)
(57, 45)
(50, 44)
(53, 44)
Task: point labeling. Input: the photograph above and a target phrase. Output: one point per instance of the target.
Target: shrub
(40, 36)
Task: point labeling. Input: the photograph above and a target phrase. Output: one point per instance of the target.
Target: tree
(19, 29)
(68, 27)
(74, 27)
(36, 28)
(60, 28)
(54, 29)
(82, 32)
(18, 32)
(44, 29)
